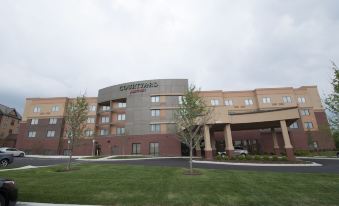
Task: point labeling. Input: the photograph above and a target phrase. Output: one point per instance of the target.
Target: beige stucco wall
(220, 113)
(45, 105)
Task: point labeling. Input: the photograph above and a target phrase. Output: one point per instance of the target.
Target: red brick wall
(323, 137)
(169, 145)
(36, 145)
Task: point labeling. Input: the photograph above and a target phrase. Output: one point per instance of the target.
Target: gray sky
(62, 48)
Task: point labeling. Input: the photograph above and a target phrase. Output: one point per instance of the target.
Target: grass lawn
(107, 184)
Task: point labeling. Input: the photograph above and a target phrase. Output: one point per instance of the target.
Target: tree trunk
(70, 156)
(191, 154)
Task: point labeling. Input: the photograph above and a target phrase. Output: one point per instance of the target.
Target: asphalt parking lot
(329, 166)
(25, 161)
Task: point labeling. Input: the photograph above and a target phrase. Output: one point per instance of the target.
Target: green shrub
(302, 153)
(248, 157)
(241, 157)
(266, 158)
(284, 158)
(257, 157)
(275, 158)
(218, 157)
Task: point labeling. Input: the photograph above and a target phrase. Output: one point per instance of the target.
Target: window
(90, 120)
(122, 104)
(34, 121)
(305, 112)
(53, 120)
(301, 100)
(308, 125)
(50, 133)
(105, 119)
(266, 100)
(32, 134)
(294, 125)
(88, 133)
(155, 99)
(120, 130)
(55, 108)
(103, 132)
(92, 108)
(214, 102)
(248, 102)
(36, 109)
(180, 98)
(155, 112)
(155, 127)
(287, 99)
(228, 102)
(105, 108)
(154, 148)
(121, 117)
(12, 122)
(136, 148)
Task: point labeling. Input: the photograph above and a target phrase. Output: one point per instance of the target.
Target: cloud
(61, 48)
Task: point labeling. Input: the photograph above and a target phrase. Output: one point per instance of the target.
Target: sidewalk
(108, 158)
(313, 164)
(55, 156)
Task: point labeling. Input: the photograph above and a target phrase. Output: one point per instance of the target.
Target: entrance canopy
(256, 119)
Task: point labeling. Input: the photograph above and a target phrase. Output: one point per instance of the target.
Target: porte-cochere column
(275, 142)
(228, 140)
(287, 141)
(207, 138)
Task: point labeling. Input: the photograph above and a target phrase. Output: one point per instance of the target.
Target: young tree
(190, 119)
(332, 104)
(76, 116)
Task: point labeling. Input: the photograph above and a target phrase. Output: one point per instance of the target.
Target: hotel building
(138, 118)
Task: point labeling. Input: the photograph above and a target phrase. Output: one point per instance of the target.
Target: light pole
(93, 152)
(68, 142)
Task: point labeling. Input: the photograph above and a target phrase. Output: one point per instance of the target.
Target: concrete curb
(46, 204)
(313, 164)
(320, 158)
(24, 168)
(55, 156)
(106, 159)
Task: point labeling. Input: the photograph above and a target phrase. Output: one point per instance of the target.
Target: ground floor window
(66, 152)
(154, 148)
(136, 148)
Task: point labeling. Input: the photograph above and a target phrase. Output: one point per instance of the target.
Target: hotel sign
(139, 86)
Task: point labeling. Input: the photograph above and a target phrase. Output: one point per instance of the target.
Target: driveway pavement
(329, 165)
(25, 161)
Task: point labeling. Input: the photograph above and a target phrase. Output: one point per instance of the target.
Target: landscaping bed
(262, 159)
(307, 153)
(130, 157)
(95, 157)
